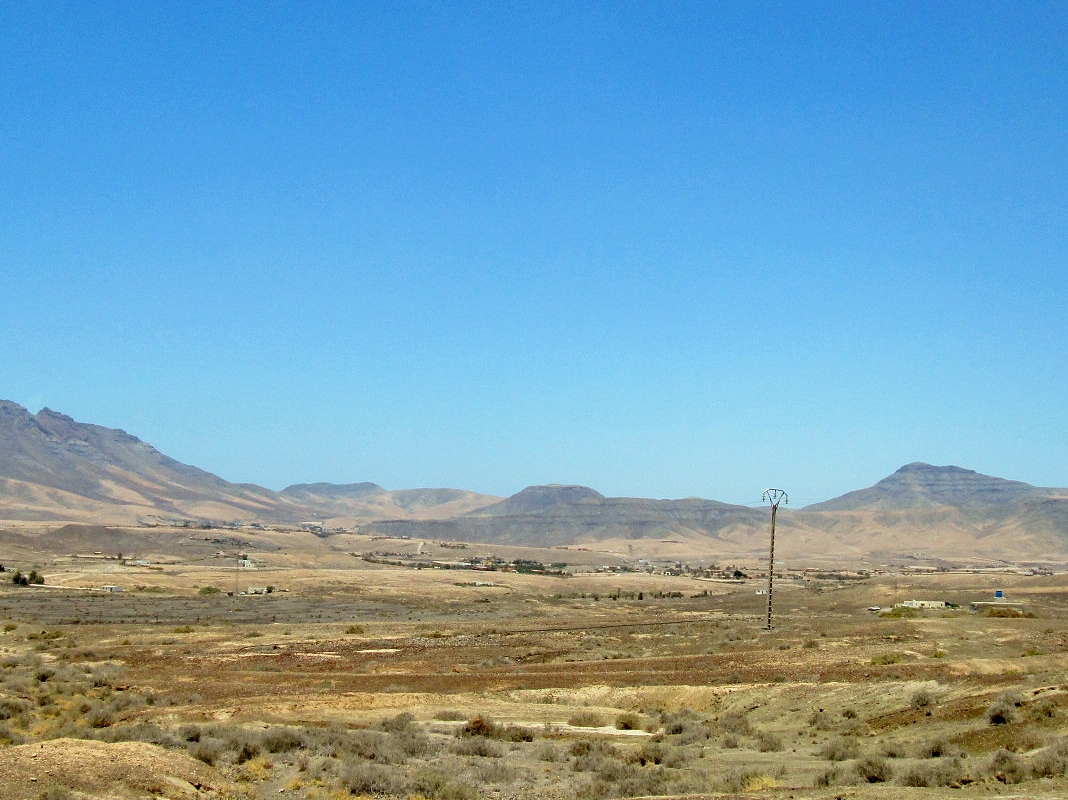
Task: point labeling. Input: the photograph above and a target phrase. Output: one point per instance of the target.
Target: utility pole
(773, 496)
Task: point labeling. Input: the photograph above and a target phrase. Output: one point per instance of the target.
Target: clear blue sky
(661, 249)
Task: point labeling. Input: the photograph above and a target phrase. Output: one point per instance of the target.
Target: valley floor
(406, 683)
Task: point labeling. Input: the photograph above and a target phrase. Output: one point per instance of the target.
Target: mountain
(920, 485)
(54, 470)
(51, 466)
(554, 515)
(950, 511)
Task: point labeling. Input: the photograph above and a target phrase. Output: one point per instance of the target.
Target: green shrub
(208, 590)
(885, 659)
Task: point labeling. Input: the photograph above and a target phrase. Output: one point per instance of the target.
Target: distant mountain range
(54, 470)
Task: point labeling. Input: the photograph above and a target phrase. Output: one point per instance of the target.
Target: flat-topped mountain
(56, 470)
(920, 485)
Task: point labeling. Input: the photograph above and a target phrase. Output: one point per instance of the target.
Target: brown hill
(53, 469)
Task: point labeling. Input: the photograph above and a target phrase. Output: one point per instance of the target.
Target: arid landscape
(358, 678)
(168, 634)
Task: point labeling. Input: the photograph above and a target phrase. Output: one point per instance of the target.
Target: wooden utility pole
(773, 496)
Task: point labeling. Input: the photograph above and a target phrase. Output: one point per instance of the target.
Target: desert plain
(182, 676)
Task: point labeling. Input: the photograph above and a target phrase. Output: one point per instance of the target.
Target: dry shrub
(834, 776)
(768, 742)
(478, 746)
(1002, 712)
(549, 752)
(687, 726)
(364, 778)
(13, 707)
(592, 755)
(937, 748)
(449, 715)
(376, 746)
(436, 785)
(822, 720)
(734, 722)
(742, 780)
(922, 698)
(840, 748)
(941, 772)
(586, 719)
(628, 721)
(655, 753)
(282, 739)
(487, 728)
(1008, 767)
(873, 769)
(479, 726)
(8, 736)
(1051, 761)
(208, 750)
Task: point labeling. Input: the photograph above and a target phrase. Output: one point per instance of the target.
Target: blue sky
(660, 249)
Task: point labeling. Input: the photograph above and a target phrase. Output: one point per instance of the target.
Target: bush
(586, 719)
(1008, 767)
(921, 698)
(478, 746)
(937, 748)
(734, 722)
(436, 785)
(363, 778)
(687, 726)
(479, 726)
(885, 659)
(768, 742)
(943, 772)
(207, 750)
(1051, 761)
(840, 748)
(592, 755)
(1001, 714)
(282, 740)
(208, 590)
(628, 721)
(821, 720)
(873, 769)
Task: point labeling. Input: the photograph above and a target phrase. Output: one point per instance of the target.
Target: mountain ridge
(54, 469)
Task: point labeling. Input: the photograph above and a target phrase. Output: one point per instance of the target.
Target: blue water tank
(999, 593)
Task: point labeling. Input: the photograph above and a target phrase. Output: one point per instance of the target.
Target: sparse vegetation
(708, 704)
